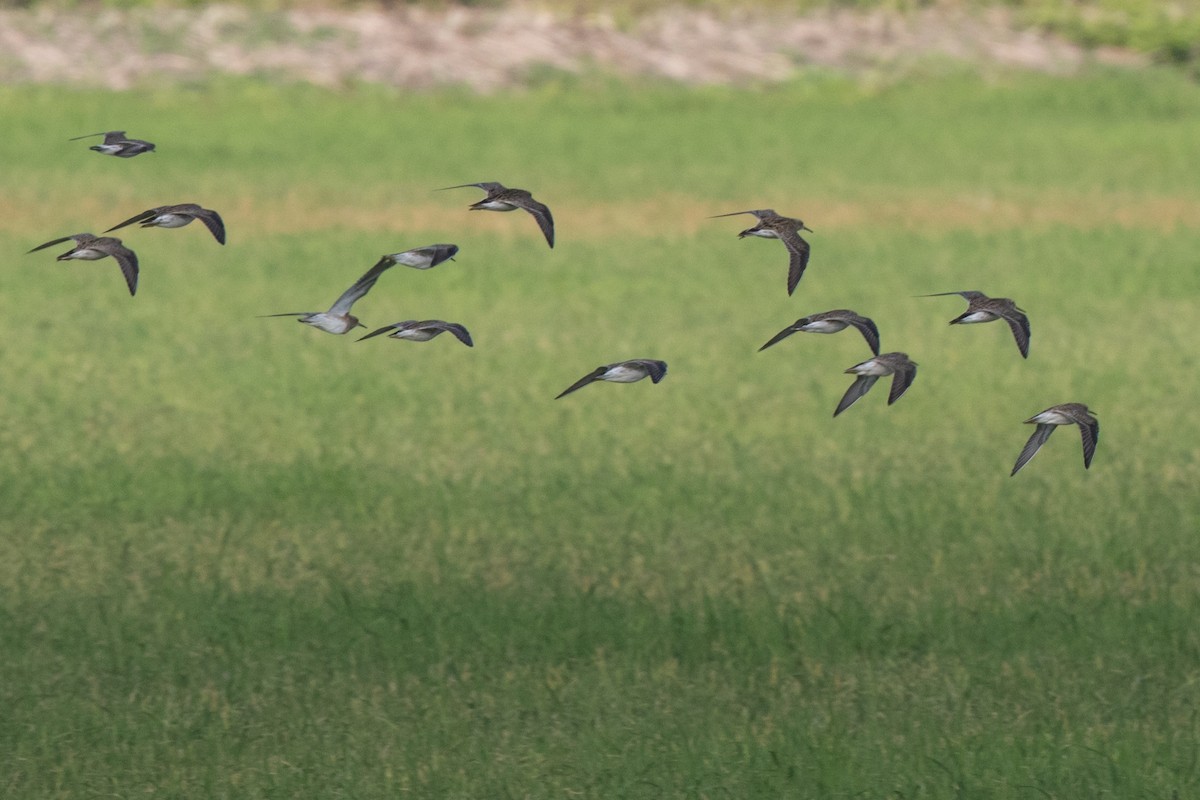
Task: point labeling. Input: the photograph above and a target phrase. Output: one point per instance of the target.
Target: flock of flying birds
(769, 225)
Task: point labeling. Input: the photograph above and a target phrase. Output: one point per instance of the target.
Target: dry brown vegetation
(492, 48)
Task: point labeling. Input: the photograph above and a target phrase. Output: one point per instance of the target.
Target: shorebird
(981, 308)
(873, 369)
(116, 144)
(501, 198)
(1051, 418)
(785, 229)
(176, 217)
(338, 318)
(416, 331)
(89, 247)
(831, 322)
(621, 372)
(422, 257)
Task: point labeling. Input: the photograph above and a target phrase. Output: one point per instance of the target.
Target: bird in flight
(338, 319)
(422, 257)
(116, 144)
(830, 322)
(787, 230)
(176, 217)
(1051, 418)
(422, 331)
(501, 198)
(981, 308)
(621, 372)
(93, 248)
(871, 370)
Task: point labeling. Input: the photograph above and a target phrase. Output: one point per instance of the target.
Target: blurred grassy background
(242, 558)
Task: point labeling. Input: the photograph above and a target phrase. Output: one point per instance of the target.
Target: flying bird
(501, 198)
(116, 144)
(93, 248)
(830, 322)
(338, 318)
(176, 217)
(787, 230)
(422, 257)
(1051, 418)
(416, 331)
(871, 370)
(621, 372)
(981, 308)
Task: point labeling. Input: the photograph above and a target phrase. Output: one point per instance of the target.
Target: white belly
(871, 367)
(497, 205)
(171, 220)
(824, 326)
(1053, 418)
(978, 316)
(84, 254)
(624, 374)
(764, 233)
(330, 323)
(415, 260)
(414, 335)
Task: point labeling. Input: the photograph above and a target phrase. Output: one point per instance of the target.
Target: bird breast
(331, 323)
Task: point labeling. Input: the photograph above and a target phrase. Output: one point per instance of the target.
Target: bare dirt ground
(490, 49)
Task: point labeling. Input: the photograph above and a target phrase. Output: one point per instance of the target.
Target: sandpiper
(787, 230)
(422, 331)
(981, 308)
(116, 144)
(831, 322)
(873, 369)
(501, 198)
(1048, 420)
(176, 217)
(621, 372)
(338, 318)
(89, 247)
(426, 257)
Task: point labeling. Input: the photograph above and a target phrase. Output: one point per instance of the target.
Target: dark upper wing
(115, 137)
(361, 287)
(460, 332)
(592, 376)
(798, 252)
(901, 380)
(1091, 434)
(656, 369)
(126, 259)
(380, 331)
(540, 212)
(1039, 437)
(77, 237)
(1019, 324)
(439, 253)
(862, 384)
(867, 328)
(779, 337)
(968, 295)
(212, 220)
(145, 215)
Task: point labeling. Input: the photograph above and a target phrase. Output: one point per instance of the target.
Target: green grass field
(241, 558)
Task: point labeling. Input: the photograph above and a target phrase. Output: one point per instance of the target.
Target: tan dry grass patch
(668, 214)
